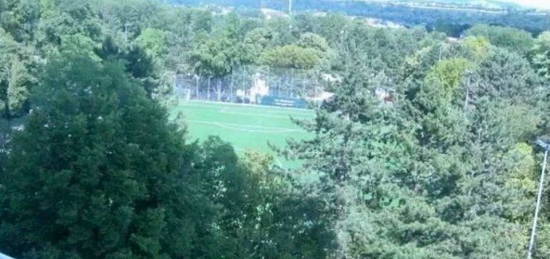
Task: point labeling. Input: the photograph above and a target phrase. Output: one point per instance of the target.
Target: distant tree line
(452, 22)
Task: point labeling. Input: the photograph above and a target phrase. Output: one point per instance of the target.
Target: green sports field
(247, 127)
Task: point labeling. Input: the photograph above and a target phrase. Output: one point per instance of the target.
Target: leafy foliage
(424, 151)
(291, 56)
(16, 78)
(509, 38)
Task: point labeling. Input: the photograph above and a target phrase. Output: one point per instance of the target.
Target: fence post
(537, 207)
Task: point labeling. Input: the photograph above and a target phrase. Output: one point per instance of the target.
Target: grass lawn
(247, 127)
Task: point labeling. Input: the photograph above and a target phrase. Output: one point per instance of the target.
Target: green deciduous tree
(291, 56)
(154, 42)
(477, 47)
(16, 77)
(255, 42)
(512, 39)
(258, 213)
(20, 18)
(63, 17)
(540, 55)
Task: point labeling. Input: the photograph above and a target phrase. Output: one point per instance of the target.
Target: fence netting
(255, 85)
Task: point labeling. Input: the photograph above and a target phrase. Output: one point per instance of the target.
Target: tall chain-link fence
(251, 84)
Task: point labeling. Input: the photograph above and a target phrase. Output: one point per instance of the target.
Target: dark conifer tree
(98, 172)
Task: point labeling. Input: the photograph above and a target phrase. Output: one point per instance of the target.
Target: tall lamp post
(546, 146)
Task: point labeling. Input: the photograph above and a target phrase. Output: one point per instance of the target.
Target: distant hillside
(484, 4)
(473, 4)
(449, 16)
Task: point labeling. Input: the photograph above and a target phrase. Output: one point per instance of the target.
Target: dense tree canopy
(425, 150)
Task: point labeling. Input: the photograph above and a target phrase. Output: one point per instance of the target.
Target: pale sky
(533, 3)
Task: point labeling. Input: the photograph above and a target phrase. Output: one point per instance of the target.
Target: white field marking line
(224, 110)
(250, 105)
(274, 109)
(246, 125)
(241, 127)
(259, 113)
(272, 112)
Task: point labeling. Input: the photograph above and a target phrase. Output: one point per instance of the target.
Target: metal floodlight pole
(290, 8)
(546, 147)
(290, 15)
